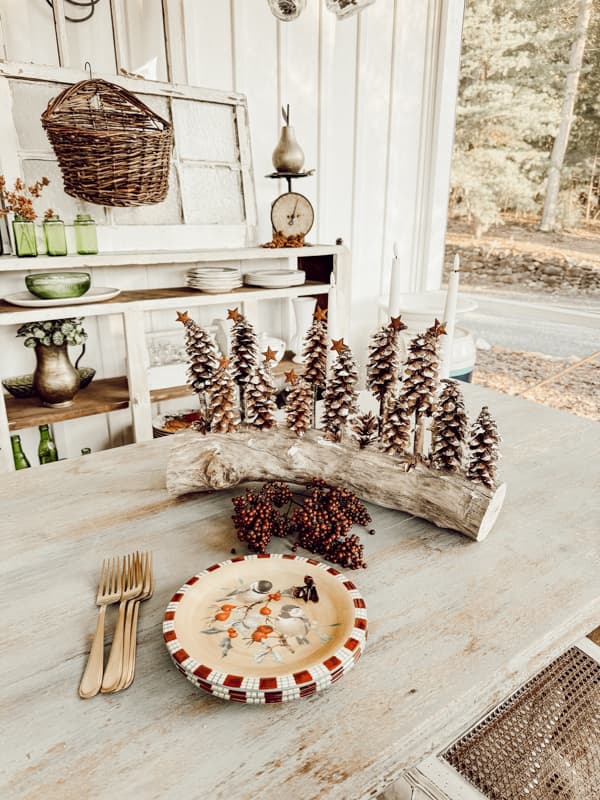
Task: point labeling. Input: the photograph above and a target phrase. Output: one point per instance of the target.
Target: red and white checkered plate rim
(279, 696)
(312, 674)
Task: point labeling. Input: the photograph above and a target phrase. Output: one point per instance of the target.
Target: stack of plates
(242, 630)
(275, 279)
(214, 280)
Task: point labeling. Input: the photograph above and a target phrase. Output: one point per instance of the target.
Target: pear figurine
(288, 156)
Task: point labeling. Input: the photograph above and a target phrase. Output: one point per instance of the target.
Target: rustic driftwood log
(220, 461)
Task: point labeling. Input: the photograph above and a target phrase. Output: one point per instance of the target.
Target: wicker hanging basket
(112, 149)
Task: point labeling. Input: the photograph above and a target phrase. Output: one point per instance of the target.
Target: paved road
(516, 331)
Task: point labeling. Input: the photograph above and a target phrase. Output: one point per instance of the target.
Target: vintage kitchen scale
(292, 214)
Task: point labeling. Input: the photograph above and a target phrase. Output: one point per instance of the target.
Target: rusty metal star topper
(338, 345)
(291, 377)
(223, 362)
(182, 316)
(270, 355)
(397, 324)
(438, 328)
(320, 314)
(234, 314)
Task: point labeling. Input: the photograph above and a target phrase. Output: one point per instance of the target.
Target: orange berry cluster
(321, 523)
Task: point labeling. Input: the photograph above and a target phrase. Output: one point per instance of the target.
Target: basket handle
(57, 101)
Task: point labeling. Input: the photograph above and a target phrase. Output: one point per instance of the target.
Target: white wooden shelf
(155, 300)
(45, 263)
(133, 391)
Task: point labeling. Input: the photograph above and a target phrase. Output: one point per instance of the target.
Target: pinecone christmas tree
(383, 366)
(223, 406)
(395, 429)
(299, 404)
(365, 429)
(484, 450)
(202, 354)
(340, 399)
(449, 428)
(260, 394)
(244, 352)
(421, 379)
(314, 355)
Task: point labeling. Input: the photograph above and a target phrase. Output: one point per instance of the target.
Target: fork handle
(92, 676)
(112, 673)
(133, 649)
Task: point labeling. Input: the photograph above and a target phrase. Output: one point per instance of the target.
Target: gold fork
(128, 672)
(109, 591)
(131, 587)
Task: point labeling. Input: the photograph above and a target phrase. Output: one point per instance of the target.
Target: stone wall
(489, 266)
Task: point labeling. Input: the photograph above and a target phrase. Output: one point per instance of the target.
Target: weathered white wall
(372, 100)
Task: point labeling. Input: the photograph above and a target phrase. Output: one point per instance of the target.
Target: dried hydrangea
(54, 332)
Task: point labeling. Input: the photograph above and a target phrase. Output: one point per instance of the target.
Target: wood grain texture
(221, 461)
(101, 396)
(454, 627)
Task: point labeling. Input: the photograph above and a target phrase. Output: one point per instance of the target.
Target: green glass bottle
(47, 452)
(19, 456)
(86, 238)
(85, 451)
(56, 241)
(24, 233)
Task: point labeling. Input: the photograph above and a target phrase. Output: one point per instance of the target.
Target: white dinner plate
(93, 295)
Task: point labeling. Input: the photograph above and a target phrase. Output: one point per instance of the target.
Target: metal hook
(88, 66)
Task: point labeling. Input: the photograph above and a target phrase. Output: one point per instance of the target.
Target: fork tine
(101, 582)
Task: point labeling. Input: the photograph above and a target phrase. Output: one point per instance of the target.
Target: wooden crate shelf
(100, 397)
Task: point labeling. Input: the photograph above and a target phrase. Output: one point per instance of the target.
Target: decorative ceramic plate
(94, 295)
(274, 696)
(166, 424)
(275, 279)
(262, 624)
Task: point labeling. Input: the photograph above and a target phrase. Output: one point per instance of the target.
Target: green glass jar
(19, 456)
(86, 238)
(54, 232)
(24, 233)
(47, 452)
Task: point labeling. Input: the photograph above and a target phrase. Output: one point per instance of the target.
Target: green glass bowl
(58, 285)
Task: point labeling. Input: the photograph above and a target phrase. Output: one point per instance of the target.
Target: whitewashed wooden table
(454, 626)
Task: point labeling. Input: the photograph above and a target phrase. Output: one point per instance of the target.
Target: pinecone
(314, 354)
(483, 445)
(224, 414)
(202, 354)
(244, 350)
(365, 429)
(299, 407)
(340, 399)
(449, 428)
(421, 371)
(260, 398)
(383, 365)
(395, 430)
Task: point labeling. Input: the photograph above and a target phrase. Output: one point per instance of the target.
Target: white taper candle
(450, 318)
(394, 298)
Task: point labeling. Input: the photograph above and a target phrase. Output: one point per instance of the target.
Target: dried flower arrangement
(53, 332)
(19, 200)
(382, 457)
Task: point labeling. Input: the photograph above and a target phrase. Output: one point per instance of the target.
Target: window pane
(92, 39)
(29, 32)
(143, 39)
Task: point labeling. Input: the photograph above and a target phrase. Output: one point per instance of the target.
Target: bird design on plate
(265, 621)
